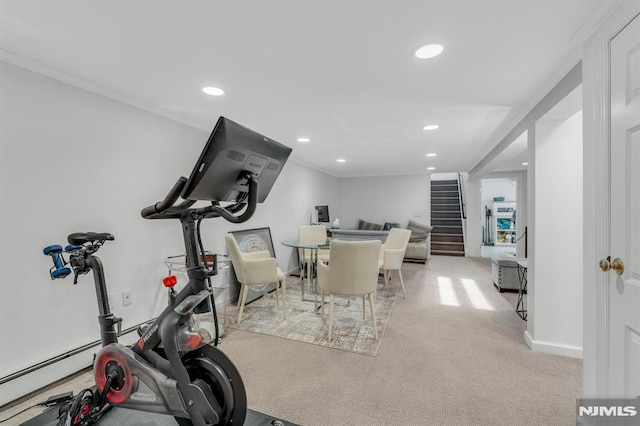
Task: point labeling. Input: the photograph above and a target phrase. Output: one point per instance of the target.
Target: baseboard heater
(63, 356)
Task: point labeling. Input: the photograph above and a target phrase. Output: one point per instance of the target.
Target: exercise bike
(172, 368)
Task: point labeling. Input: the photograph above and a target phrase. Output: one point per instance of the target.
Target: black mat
(123, 416)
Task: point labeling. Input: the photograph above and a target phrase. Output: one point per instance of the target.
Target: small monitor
(232, 152)
(323, 213)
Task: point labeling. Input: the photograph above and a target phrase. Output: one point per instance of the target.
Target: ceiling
(341, 73)
(515, 156)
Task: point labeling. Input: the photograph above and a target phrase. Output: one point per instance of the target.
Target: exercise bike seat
(80, 238)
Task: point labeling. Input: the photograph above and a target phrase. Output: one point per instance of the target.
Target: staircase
(447, 237)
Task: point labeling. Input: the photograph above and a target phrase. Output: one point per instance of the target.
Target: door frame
(596, 202)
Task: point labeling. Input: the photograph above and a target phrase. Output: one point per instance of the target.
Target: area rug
(305, 324)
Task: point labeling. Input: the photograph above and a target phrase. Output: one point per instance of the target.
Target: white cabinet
(504, 224)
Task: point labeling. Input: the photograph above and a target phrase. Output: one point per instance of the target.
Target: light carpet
(305, 324)
(441, 364)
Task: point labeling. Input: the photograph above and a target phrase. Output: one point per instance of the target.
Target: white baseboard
(44, 376)
(31, 382)
(552, 348)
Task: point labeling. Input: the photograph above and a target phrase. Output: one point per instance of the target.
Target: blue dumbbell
(70, 249)
(58, 270)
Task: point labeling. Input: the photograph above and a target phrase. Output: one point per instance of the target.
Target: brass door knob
(617, 265)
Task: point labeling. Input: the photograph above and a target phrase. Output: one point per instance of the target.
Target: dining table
(311, 275)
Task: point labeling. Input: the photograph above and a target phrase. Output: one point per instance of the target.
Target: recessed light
(304, 140)
(341, 160)
(431, 127)
(213, 91)
(432, 154)
(525, 164)
(429, 51)
(431, 168)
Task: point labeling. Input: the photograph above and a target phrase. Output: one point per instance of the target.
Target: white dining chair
(352, 271)
(392, 254)
(255, 268)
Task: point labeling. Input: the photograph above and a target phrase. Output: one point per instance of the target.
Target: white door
(624, 289)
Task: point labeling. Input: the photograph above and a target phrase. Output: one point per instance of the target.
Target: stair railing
(463, 212)
(463, 206)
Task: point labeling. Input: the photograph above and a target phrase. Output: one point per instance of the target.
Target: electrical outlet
(110, 299)
(126, 297)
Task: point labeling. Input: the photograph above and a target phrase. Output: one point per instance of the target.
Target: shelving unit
(220, 282)
(505, 237)
(503, 224)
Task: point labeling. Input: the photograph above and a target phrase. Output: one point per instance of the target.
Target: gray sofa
(416, 252)
(358, 234)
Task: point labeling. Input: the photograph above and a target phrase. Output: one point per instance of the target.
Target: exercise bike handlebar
(154, 211)
(166, 209)
(228, 212)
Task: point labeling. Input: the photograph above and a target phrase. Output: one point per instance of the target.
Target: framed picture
(258, 239)
(251, 240)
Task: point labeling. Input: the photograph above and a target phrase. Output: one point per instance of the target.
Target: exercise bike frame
(167, 376)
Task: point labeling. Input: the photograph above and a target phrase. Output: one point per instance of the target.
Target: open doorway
(499, 236)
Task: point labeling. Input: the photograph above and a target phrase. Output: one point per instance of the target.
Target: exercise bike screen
(231, 152)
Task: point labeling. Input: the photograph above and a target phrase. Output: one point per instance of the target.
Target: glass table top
(298, 244)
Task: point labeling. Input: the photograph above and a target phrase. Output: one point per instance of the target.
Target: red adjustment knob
(193, 341)
(170, 281)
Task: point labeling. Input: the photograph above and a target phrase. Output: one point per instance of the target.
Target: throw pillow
(368, 226)
(388, 225)
(419, 232)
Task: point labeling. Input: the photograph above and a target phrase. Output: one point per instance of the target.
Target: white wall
(558, 217)
(500, 187)
(384, 199)
(71, 161)
(522, 218)
(444, 176)
(298, 190)
(531, 223)
(475, 218)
